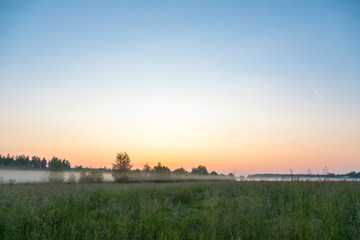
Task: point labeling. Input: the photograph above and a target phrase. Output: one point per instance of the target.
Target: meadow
(195, 210)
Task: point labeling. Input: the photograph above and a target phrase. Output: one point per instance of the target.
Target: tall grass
(218, 210)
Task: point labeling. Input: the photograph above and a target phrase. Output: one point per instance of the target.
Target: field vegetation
(198, 210)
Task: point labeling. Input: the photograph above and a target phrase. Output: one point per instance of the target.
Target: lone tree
(121, 167)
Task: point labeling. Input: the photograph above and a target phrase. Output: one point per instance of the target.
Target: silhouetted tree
(79, 167)
(7, 160)
(35, 162)
(22, 160)
(43, 164)
(66, 164)
(353, 174)
(213, 173)
(147, 168)
(56, 170)
(180, 171)
(55, 164)
(10, 160)
(121, 167)
(200, 170)
(160, 169)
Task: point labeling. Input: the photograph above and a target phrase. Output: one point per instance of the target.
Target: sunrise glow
(245, 87)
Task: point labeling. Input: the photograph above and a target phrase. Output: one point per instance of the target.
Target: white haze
(30, 176)
(33, 176)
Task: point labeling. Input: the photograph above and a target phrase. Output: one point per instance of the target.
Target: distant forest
(36, 163)
(352, 174)
(26, 162)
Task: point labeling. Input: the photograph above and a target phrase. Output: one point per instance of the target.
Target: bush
(92, 176)
(56, 176)
(72, 178)
(12, 181)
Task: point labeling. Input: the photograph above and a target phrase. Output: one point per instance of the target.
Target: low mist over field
(28, 176)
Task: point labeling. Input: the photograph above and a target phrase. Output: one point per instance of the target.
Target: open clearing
(216, 210)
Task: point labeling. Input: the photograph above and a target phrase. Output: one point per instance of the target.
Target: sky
(244, 86)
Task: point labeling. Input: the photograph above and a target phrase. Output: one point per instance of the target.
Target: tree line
(34, 162)
(352, 174)
(160, 169)
(56, 164)
(121, 172)
(122, 168)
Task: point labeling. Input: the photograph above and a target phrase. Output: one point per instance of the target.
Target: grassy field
(217, 210)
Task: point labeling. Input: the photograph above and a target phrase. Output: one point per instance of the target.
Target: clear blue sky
(177, 78)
